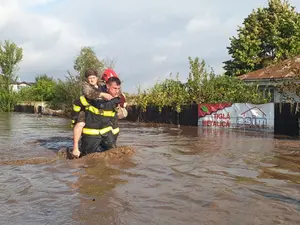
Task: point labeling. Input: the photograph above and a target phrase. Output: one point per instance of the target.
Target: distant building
(269, 76)
(17, 86)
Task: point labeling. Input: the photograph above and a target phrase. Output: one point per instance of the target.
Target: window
(267, 92)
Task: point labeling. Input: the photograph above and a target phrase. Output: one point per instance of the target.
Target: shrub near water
(10, 56)
(202, 86)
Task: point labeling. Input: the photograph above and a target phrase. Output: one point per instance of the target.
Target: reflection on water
(177, 176)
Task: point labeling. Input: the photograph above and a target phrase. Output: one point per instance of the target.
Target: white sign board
(237, 115)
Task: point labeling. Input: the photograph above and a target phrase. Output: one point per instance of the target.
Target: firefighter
(98, 134)
(122, 112)
(93, 93)
(90, 90)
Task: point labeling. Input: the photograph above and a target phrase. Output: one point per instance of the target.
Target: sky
(148, 40)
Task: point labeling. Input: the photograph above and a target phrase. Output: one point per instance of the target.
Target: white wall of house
(17, 87)
(269, 86)
(282, 98)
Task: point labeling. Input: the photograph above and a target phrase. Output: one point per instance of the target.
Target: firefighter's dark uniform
(98, 134)
(113, 120)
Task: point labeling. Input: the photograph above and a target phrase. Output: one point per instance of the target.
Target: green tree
(224, 88)
(87, 59)
(202, 86)
(198, 76)
(8, 99)
(65, 92)
(42, 90)
(10, 56)
(267, 35)
(176, 93)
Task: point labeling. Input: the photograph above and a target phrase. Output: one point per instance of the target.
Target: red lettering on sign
(210, 123)
(227, 123)
(221, 116)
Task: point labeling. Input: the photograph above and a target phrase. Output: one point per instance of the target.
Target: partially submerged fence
(24, 108)
(286, 119)
(188, 116)
(30, 106)
(271, 117)
(280, 118)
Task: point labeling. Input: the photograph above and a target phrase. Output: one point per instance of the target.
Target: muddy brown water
(175, 176)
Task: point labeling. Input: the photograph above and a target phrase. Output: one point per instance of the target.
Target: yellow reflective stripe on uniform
(83, 101)
(92, 109)
(108, 113)
(100, 112)
(76, 108)
(91, 131)
(116, 130)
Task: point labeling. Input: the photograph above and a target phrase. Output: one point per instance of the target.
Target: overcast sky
(147, 39)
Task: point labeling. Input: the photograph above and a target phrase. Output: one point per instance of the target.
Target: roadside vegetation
(267, 36)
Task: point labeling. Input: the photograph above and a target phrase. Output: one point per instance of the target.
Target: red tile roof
(284, 69)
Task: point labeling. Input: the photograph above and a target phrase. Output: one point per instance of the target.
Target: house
(17, 86)
(268, 77)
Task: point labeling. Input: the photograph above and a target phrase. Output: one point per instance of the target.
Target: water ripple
(177, 176)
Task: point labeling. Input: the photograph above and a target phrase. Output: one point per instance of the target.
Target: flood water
(177, 176)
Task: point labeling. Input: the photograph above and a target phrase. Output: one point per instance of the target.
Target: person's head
(113, 85)
(108, 73)
(91, 76)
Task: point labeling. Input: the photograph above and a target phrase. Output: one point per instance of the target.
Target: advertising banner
(237, 116)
